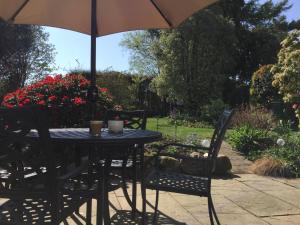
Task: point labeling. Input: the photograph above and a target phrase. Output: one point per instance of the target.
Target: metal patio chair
(127, 158)
(38, 189)
(177, 182)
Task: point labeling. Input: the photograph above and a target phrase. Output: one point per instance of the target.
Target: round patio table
(128, 137)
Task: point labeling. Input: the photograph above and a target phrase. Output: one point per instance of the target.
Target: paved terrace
(246, 199)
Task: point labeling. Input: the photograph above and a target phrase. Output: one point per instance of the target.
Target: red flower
(65, 98)
(8, 105)
(39, 95)
(26, 101)
(295, 106)
(21, 105)
(42, 102)
(52, 98)
(79, 101)
(104, 90)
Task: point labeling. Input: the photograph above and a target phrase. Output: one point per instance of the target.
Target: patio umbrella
(100, 17)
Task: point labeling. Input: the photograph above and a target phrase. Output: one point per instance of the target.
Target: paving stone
(249, 177)
(292, 182)
(268, 185)
(292, 197)
(198, 205)
(168, 207)
(283, 220)
(261, 204)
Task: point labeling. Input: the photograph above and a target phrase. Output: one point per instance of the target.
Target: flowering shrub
(286, 71)
(68, 93)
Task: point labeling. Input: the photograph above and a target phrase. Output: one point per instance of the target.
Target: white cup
(115, 126)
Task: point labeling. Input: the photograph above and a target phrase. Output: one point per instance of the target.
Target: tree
(262, 91)
(25, 55)
(144, 51)
(287, 70)
(195, 60)
(256, 30)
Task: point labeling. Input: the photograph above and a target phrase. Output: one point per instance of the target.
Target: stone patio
(246, 199)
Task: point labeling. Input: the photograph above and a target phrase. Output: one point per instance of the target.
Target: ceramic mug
(115, 126)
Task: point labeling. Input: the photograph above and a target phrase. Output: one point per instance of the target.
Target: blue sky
(73, 49)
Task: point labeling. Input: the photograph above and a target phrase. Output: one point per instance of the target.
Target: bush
(67, 96)
(269, 166)
(249, 140)
(259, 118)
(211, 112)
(262, 91)
(288, 154)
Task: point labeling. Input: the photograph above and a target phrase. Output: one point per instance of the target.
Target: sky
(73, 49)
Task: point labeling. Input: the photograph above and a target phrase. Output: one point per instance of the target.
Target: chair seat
(178, 183)
(36, 210)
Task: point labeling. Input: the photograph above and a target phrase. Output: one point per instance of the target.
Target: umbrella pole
(93, 41)
(93, 90)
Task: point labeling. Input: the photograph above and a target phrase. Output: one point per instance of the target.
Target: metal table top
(82, 135)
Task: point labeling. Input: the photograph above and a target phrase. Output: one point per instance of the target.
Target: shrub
(269, 166)
(249, 140)
(288, 154)
(67, 96)
(262, 91)
(259, 118)
(286, 71)
(211, 112)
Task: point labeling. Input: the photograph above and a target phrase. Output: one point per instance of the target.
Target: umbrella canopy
(112, 15)
(100, 17)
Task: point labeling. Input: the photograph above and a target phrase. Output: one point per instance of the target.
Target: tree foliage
(25, 55)
(262, 91)
(143, 51)
(287, 70)
(216, 51)
(195, 60)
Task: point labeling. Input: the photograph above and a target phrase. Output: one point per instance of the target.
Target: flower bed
(66, 96)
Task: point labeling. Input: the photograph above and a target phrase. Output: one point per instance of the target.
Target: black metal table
(107, 139)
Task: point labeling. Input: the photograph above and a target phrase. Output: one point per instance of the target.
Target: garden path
(239, 163)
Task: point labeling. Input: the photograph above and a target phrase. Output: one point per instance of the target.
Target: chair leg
(89, 212)
(214, 212)
(143, 188)
(134, 184)
(131, 203)
(210, 211)
(155, 216)
(106, 193)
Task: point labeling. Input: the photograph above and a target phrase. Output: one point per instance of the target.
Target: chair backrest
(218, 136)
(23, 160)
(132, 119)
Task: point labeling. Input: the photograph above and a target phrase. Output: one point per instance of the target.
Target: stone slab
(261, 204)
(283, 220)
(292, 197)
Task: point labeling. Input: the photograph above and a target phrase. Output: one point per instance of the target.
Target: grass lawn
(168, 129)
